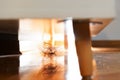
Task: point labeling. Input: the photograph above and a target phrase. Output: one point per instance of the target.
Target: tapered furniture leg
(83, 46)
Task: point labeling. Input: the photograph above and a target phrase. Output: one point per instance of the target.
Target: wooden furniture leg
(83, 46)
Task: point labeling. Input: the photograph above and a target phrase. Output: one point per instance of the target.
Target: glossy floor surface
(107, 66)
(29, 67)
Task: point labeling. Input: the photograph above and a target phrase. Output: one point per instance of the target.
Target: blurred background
(16, 40)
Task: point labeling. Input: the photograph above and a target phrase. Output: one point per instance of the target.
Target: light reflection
(32, 33)
(73, 66)
(105, 49)
(31, 61)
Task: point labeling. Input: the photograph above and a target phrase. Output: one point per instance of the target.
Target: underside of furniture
(89, 18)
(83, 31)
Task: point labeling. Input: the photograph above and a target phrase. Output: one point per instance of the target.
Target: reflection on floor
(35, 68)
(107, 68)
(9, 68)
